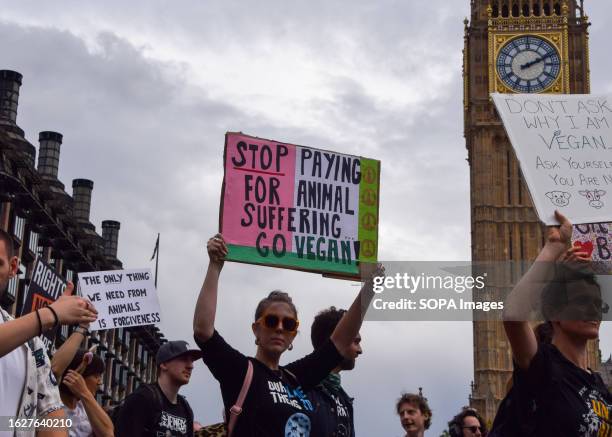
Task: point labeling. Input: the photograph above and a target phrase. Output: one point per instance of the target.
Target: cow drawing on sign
(594, 197)
(559, 198)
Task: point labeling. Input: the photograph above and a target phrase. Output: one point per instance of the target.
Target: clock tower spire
(524, 46)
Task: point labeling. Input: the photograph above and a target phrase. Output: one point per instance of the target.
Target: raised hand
(561, 234)
(73, 310)
(369, 271)
(575, 255)
(217, 250)
(76, 384)
(68, 292)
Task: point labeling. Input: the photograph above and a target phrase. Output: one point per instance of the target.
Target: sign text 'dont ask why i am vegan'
(564, 146)
(298, 207)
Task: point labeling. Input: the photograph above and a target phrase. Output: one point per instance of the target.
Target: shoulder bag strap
(237, 407)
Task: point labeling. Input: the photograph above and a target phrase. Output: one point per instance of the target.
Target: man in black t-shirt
(333, 407)
(157, 410)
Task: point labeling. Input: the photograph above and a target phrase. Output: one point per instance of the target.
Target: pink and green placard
(298, 207)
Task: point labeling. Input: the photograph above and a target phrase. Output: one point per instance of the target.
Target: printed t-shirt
(561, 399)
(142, 415)
(276, 404)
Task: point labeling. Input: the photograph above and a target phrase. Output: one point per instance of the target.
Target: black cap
(172, 349)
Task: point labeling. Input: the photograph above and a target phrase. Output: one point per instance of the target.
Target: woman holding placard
(269, 398)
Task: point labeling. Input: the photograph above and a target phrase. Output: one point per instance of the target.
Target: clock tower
(511, 46)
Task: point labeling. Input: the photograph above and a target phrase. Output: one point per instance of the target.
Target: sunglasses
(473, 428)
(271, 321)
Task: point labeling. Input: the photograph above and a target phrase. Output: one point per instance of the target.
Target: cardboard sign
(596, 240)
(46, 286)
(123, 298)
(564, 147)
(297, 207)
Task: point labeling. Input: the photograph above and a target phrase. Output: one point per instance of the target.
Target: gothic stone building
(47, 222)
(504, 226)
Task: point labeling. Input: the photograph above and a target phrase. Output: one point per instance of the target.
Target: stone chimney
(81, 193)
(10, 82)
(49, 153)
(110, 234)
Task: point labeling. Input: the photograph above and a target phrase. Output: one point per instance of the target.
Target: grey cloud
(152, 141)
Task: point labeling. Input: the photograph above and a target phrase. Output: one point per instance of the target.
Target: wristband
(82, 330)
(56, 322)
(40, 327)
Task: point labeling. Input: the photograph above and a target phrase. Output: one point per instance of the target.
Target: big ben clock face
(528, 64)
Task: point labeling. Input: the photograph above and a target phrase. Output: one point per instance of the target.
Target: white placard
(564, 146)
(123, 298)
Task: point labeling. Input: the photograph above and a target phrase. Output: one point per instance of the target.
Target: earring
(290, 347)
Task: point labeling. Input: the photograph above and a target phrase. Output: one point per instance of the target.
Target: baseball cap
(172, 349)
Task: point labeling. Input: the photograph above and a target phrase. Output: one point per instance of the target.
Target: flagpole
(157, 261)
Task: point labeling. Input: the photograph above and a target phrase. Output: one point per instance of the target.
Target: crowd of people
(552, 391)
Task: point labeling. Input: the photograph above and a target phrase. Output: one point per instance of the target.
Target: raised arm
(526, 295)
(349, 325)
(206, 306)
(69, 310)
(64, 355)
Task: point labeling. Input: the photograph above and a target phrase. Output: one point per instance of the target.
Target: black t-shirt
(147, 413)
(333, 415)
(276, 404)
(560, 399)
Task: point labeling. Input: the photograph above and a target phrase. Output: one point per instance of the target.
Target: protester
(275, 403)
(80, 374)
(333, 415)
(544, 331)
(556, 393)
(415, 414)
(157, 409)
(78, 392)
(28, 387)
(468, 423)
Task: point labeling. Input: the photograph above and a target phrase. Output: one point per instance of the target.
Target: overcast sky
(144, 91)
